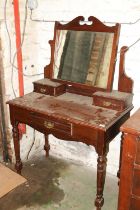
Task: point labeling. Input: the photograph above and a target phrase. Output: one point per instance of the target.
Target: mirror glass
(83, 57)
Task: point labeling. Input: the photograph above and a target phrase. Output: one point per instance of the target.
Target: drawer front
(50, 90)
(41, 122)
(44, 124)
(50, 123)
(44, 89)
(84, 133)
(108, 103)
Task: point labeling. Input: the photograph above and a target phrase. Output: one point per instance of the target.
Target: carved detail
(75, 22)
(101, 173)
(125, 83)
(96, 25)
(18, 165)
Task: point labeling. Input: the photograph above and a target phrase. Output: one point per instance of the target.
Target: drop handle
(48, 125)
(42, 90)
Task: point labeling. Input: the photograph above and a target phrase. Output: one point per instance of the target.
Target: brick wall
(36, 54)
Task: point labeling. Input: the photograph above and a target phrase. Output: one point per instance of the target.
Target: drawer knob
(48, 125)
(42, 90)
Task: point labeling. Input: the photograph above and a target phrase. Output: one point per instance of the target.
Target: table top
(71, 107)
(132, 125)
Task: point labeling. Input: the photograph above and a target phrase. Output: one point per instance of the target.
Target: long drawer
(51, 124)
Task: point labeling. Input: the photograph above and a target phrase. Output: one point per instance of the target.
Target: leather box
(113, 100)
(49, 87)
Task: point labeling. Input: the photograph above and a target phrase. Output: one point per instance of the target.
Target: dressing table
(75, 100)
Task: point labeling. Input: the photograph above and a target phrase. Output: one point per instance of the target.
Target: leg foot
(18, 167)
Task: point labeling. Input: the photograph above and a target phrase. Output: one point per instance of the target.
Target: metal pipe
(22, 127)
(18, 47)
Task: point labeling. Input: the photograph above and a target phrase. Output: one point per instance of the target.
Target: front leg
(18, 165)
(101, 174)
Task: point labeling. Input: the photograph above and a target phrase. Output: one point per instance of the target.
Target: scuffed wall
(36, 54)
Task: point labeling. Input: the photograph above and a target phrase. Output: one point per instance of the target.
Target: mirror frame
(95, 26)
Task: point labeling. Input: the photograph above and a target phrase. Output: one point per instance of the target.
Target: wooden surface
(133, 124)
(129, 191)
(67, 110)
(9, 180)
(48, 82)
(69, 117)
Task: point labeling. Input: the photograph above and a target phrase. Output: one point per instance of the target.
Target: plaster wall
(36, 54)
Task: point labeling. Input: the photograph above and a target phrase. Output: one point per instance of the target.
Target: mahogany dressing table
(75, 101)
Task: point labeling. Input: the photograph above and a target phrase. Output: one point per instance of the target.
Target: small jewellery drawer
(43, 89)
(113, 100)
(53, 90)
(50, 123)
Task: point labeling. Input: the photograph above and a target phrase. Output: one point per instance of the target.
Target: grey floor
(56, 184)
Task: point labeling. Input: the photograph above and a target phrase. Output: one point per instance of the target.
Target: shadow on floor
(42, 186)
(55, 184)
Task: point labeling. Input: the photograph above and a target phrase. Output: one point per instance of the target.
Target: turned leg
(18, 165)
(47, 146)
(121, 147)
(101, 174)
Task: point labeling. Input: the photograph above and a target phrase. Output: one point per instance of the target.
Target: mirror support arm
(125, 83)
(48, 68)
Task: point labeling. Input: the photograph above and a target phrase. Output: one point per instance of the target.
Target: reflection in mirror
(83, 57)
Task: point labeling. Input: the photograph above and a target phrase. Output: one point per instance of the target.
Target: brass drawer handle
(42, 90)
(48, 125)
(107, 103)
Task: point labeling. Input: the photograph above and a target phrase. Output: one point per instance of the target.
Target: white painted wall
(36, 51)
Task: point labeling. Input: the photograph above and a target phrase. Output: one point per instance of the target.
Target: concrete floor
(56, 184)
